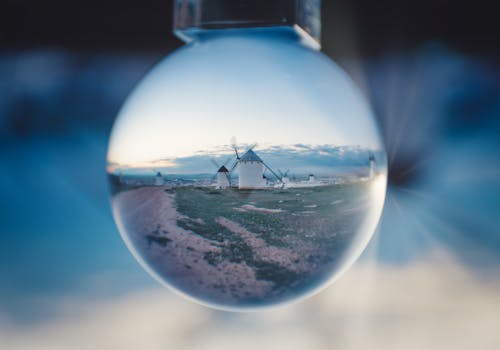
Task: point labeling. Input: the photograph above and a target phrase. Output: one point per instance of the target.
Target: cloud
(435, 304)
(299, 158)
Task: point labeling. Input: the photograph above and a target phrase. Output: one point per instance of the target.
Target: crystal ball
(246, 171)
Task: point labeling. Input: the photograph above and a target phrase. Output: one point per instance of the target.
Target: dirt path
(181, 260)
(264, 251)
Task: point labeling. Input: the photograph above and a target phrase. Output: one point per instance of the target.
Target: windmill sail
(280, 179)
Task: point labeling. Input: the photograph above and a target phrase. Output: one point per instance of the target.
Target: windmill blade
(235, 147)
(214, 162)
(236, 151)
(233, 167)
(272, 171)
(233, 141)
(252, 146)
(227, 161)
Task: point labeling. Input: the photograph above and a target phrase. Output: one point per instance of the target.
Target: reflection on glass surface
(246, 169)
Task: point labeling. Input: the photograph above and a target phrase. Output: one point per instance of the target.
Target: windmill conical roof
(223, 169)
(250, 156)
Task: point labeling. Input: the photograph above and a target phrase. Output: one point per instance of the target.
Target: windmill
(285, 180)
(159, 180)
(251, 169)
(284, 176)
(312, 178)
(222, 176)
(371, 160)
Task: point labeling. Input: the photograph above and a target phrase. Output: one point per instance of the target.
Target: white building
(223, 177)
(251, 171)
(159, 180)
(372, 167)
(312, 179)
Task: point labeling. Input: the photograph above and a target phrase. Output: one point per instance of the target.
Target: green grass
(329, 226)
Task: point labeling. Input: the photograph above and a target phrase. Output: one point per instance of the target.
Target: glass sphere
(246, 170)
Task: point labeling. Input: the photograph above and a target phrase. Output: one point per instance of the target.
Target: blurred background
(430, 277)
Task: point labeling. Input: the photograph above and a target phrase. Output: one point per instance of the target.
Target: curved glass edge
(192, 18)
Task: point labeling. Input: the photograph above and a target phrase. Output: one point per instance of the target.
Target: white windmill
(159, 180)
(223, 179)
(371, 159)
(312, 178)
(251, 170)
(284, 176)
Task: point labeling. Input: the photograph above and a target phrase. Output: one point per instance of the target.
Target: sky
(271, 91)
